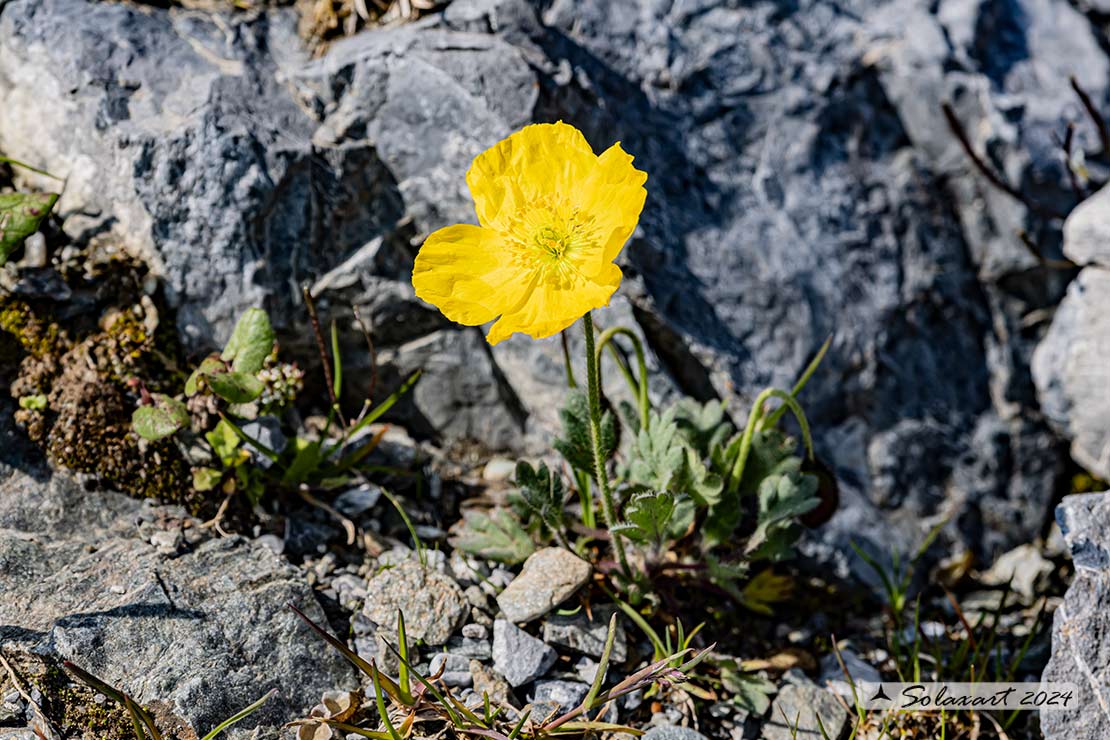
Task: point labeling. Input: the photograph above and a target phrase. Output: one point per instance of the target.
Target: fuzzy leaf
(235, 387)
(782, 499)
(497, 535)
(251, 342)
(575, 444)
(772, 453)
(165, 417)
(658, 454)
(542, 493)
(650, 517)
(209, 365)
(20, 216)
(705, 427)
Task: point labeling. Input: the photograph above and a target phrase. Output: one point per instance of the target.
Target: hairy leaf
(160, 420)
(542, 493)
(783, 498)
(658, 454)
(20, 216)
(251, 342)
(497, 535)
(772, 453)
(652, 517)
(575, 444)
(704, 426)
(749, 691)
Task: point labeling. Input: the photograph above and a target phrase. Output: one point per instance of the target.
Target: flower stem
(593, 384)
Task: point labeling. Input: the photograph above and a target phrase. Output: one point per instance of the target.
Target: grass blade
(356, 660)
(241, 715)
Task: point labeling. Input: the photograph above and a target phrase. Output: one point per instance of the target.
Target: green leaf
(251, 342)
(224, 442)
(36, 402)
(766, 589)
(695, 479)
(235, 387)
(307, 456)
(160, 420)
(206, 479)
(748, 690)
(650, 517)
(658, 454)
(542, 493)
(209, 365)
(20, 216)
(783, 498)
(772, 453)
(575, 445)
(497, 535)
(705, 427)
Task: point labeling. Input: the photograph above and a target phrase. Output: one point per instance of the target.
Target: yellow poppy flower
(554, 216)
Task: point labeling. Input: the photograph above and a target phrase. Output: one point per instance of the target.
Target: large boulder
(109, 583)
(1080, 646)
(803, 183)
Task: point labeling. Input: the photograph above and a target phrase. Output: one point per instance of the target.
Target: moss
(35, 336)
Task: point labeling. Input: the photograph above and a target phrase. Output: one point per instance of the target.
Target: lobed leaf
(497, 535)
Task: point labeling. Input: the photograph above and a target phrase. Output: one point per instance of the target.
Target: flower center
(549, 234)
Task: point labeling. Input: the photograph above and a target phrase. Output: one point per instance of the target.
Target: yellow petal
(545, 159)
(465, 271)
(553, 305)
(613, 194)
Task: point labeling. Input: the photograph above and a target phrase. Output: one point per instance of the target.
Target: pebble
(433, 604)
(272, 542)
(456, 669)
(498, 469)
(488, 681)
(355, 501)
(802, 701)
(549, 577)
(581, 634)
(557, 696)
(832, 675)
(475, 631)
(518, 656)
(167, 542)
(672, 732)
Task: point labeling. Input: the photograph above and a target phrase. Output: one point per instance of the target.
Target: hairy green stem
(640, 388)
(593, 385)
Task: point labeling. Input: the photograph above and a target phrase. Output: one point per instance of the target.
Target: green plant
(21, 214)
(142, 722)
(694, 496)
(400, 704)
(245, 382)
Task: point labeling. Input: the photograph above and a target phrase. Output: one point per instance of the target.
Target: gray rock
(207, 631)
(212, 147)
(801, 702)
(1087, 231)
(1071, 373)
(518, 656)
(488, 681)
(861, 672)
(434, 606)
(557, 696)
(584, 635)
(1025, 568)
(673, 732)
(549, 577)
(358, 500)
(1080, 648)
(456, 669)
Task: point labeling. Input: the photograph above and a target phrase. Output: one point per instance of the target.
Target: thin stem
(593, 384)
(641, 388)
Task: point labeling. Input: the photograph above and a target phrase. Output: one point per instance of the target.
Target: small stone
(273, 543)
(480, 649)
(586, 669)
(498, 469)
(355, 501)
(167, 542)
(557, 696)
(800, 698)
(267, 431)
(432, 603)
(456, 669)
(832, 675)
(518, 656)
(549, 577)
(488, 681)
(584, 635)
(475, 631)
(672, 732)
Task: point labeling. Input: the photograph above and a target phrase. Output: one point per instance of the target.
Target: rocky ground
(806, 180)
